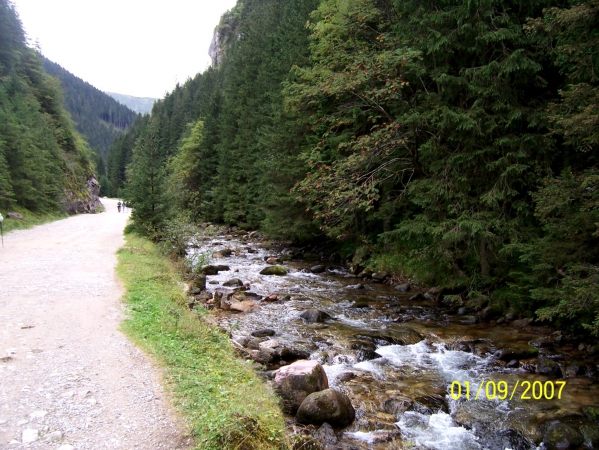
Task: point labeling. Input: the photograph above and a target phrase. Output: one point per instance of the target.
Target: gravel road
(69, 379)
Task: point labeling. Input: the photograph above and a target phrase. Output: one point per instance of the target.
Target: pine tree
(146, 189)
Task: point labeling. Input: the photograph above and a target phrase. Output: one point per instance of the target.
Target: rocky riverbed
(419, 373)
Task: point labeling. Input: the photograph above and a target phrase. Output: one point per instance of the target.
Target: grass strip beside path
(226, 404)
(30, 219)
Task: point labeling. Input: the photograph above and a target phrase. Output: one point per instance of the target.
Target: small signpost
(1, 233)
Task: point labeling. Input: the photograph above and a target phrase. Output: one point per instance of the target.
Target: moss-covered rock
(559, 436)
(509, 353)
(274, 270)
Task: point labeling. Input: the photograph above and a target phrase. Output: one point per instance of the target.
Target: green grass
(30, 219)
(226, 405)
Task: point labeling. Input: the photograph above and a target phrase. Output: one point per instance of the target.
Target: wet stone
(365, 350)
(346, 376)
(263, 332)
(430, 404)
(317, 269)
(490, 437)
(233, 282)
(430, 297)
(509, 353)
(549, 368)
(468, 320)
(560, 436)
(380, 276)
(544, 341)
(521, 323)
(274, 270)
(326, 434)
(398, 405)
(462, 311)
(402, 287)
(329, 406)
(572, 370)
(315, 315)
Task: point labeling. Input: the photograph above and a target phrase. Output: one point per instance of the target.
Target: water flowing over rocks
(393, 349)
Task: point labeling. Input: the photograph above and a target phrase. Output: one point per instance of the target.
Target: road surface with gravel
(69, 379)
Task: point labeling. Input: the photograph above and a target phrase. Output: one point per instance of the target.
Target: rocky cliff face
(216, 51)
(86, 201)
(226, 31)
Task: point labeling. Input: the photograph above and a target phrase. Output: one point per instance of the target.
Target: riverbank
(226, 405)
(395, 350)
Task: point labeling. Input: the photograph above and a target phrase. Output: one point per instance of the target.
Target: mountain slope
(97, 116)
(142, 105)
(43, 160)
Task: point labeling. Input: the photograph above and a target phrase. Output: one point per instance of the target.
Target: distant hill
(141, 105)
(98, 116)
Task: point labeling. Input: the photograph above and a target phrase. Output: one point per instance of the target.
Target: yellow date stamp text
(523, 390)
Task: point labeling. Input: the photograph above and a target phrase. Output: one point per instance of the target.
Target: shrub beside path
(69, 379)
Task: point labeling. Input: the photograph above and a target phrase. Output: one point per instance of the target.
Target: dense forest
(449, 142)
(97, 116)
(44, 162)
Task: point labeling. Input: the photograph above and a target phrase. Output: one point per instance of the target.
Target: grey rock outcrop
(86, 201)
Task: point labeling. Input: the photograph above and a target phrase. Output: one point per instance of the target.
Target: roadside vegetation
(224, 402)
(453, 144)
(30, 219)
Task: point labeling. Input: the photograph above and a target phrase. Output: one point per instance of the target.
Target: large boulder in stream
(274, 270)
(315, 316)
(560, 436)
(293, 383)
(329, 406)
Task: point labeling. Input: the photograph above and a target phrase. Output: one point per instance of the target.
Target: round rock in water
(329, 406)
(314, 315)
(263, 332)
(317, 269)
(298, 380)
(233, 282)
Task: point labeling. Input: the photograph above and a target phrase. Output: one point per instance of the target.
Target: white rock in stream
(270, 344)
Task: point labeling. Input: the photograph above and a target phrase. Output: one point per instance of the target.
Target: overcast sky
(134, 47)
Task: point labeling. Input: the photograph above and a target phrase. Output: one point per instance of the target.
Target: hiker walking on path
(118, 205)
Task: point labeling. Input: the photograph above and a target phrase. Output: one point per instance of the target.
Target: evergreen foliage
(146, 189)
(457, 139)
(43, 160)
(98, 117)
(119, 156)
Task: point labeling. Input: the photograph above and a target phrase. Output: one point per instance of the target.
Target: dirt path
(69, 379)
